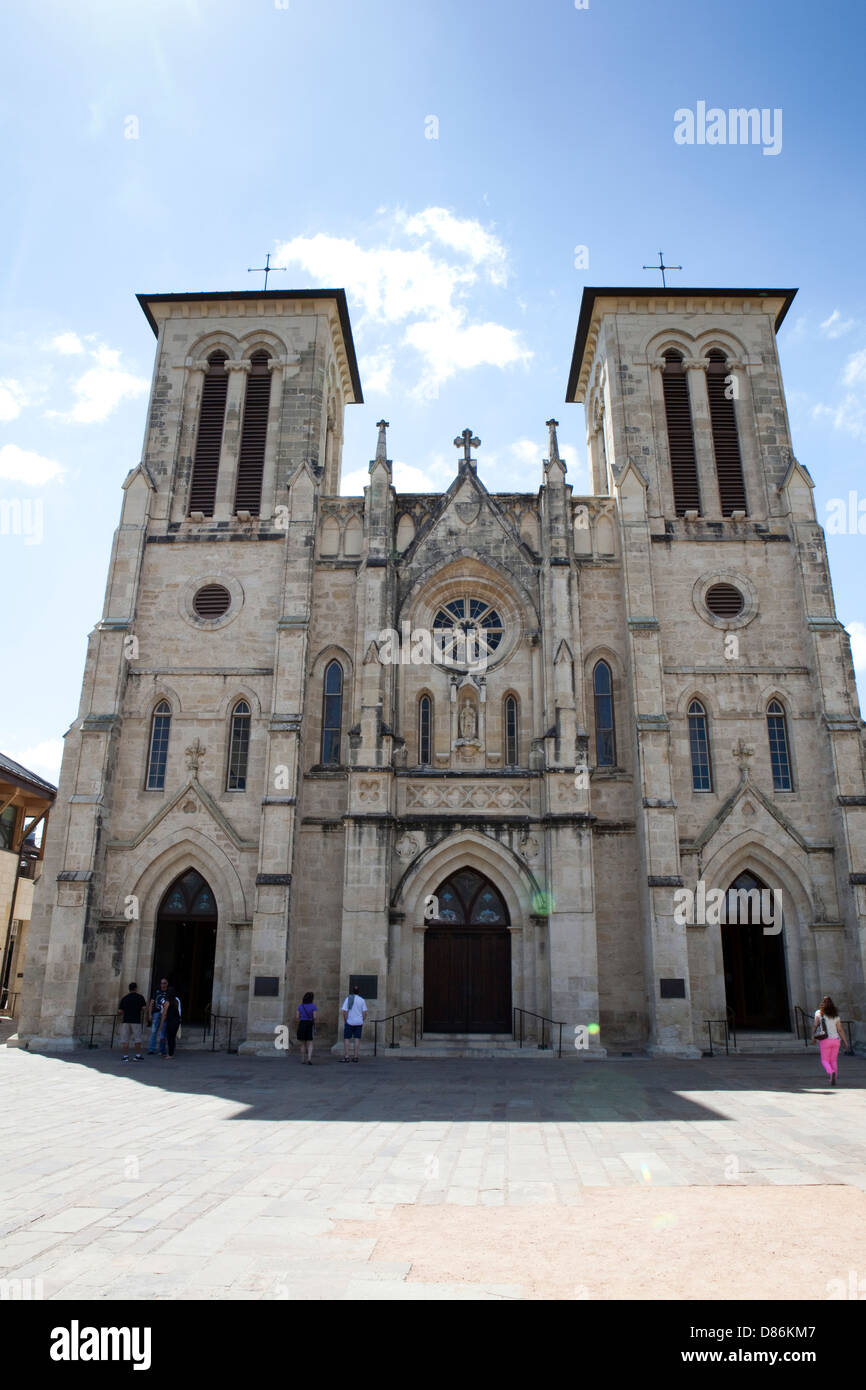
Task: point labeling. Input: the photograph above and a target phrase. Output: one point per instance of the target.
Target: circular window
(212, 601)
(469, 618)
(724, 601)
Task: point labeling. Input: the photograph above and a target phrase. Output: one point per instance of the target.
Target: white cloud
(25, 466)
(376, 370)
(855, 369)
(835, 326)
(42, 758)
(69, 344)
(448, 345)
(100, 389)
(462, 234)
(849, 414)
(424, 287)
(12, 398)
(526, 451)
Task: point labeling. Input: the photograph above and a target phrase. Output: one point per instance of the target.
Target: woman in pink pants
(828, 1023)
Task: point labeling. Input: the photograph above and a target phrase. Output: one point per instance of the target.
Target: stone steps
(466, 1045)
(765, 1044)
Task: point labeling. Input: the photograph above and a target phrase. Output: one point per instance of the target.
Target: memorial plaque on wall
(673, 989)
(365, 985)
(267, 985)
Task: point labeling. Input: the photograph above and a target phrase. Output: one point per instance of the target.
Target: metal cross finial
(662, 267)
(467, 441)
(267, 268)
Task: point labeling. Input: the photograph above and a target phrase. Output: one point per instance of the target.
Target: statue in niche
(467, 723)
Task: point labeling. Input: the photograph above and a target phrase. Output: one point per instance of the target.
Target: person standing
(354, 1017)
(307, 1016)
(829, 1033)
(171, 1020)
(154, 1018)
(130, 1009)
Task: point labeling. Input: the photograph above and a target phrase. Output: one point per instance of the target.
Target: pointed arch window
(254, 432)
(239, 748)
(699, 746)
(205, 468)
(332, 714)
(160, 728)
(425, 731)
(605, 733)
(511, 741)
(681, 435)
(726, 443)
(780, 759)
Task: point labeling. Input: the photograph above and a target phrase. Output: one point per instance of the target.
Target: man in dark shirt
(130, 1009)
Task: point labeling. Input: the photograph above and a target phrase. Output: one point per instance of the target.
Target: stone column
(191, 407)
(228, 470)
(276, 366)
(699, 401)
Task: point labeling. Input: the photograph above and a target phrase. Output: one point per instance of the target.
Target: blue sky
(168, 145)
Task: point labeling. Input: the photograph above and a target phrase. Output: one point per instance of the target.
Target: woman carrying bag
(307, 1015)
(829, 1033)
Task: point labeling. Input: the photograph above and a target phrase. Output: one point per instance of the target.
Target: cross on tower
(267, 268)
(467, 441)
(662, 267)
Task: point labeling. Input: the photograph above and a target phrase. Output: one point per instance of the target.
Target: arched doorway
(756, 984)
(467, 959)
(185, 946)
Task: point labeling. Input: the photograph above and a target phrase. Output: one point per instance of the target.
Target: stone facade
(324, 867)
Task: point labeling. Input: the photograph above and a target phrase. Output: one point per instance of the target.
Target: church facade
(476, 751)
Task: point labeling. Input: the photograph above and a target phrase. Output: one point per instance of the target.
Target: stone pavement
(222, 1177)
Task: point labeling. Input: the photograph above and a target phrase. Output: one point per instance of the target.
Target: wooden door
(467, 961)
(756, 986)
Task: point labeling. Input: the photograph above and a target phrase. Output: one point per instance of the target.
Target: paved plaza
(222, 1177)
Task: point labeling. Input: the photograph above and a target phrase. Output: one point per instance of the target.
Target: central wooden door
(756, 987)
(185, 945)
(467, 959)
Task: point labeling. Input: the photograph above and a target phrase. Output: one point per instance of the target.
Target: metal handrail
(542, 1046)
(804, 1021)
(93, 1018)
(7, 1009)
(220, 1018)
(725, 1023)
(417, 1027)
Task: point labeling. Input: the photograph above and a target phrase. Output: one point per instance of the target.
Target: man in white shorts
(354, 1017)
(130, 1009)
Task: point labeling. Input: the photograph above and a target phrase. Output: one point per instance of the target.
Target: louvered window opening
(511, 732)
(777, 732)
(158, 756)
(332, 715)
(681, 436)
(212, 601)
(254, 431)
(239, 748)
(699, 745)
(425, 710)
(724, 600)
(202, 493)
(726, 443)
(605, 741)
